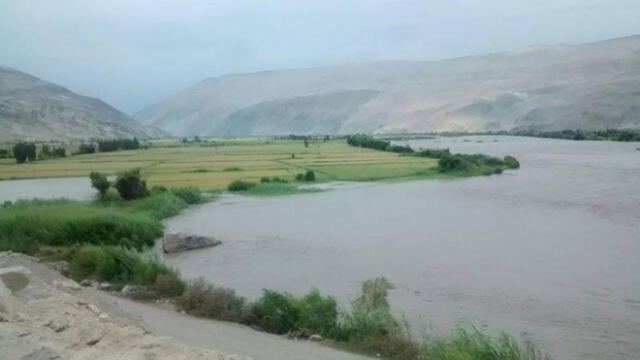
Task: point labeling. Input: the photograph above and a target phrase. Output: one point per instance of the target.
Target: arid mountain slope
(588, 86)
(31, 108)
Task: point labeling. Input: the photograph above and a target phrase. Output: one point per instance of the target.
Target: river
(551, 250)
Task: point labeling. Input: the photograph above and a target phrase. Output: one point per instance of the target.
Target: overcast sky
(135, 53)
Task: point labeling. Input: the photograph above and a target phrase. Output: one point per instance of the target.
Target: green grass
(27, 225)
(275, 189)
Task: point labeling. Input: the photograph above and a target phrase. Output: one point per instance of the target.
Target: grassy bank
(25, 226)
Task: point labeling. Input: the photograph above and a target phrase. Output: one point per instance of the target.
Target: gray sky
(135, 53)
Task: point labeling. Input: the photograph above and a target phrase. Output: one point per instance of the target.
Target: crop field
(172, 164)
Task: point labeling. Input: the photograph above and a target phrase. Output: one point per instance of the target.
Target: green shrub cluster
(204, 299)
(99, 182)
(274, 179)
(240, 185)
(123, 266)
(131, 186)
(309, 176)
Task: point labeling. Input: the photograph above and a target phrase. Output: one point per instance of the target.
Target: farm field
(172, 164)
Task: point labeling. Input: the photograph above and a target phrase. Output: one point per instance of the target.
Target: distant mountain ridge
(34, 109)
(554, 87)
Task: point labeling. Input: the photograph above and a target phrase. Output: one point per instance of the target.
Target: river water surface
(552, 249)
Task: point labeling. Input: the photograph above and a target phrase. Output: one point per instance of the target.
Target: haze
(135, 54)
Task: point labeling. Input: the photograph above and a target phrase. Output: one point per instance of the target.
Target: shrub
(433, 153)
(310, 176)
(511, 162)
(276, 312)
(451, 163)
(240, 185)
(317, 313)
(300, 177)
(232, 169)
(120, 265)
(99, 182)
(203, 299)
(168, 285)
(131, 186)
(190, 195)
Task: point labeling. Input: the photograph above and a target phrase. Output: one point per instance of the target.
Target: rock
(315, 337)
(86, 282)
(60, 266)
(133, 290)
(103, 316)
(173, 243)
(93, 341)
(67, 285)
(104, 286)
(15, 278)
(94, 309)
(300, 334)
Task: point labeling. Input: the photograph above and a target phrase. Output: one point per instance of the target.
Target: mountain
(33, 109)
(588, 86)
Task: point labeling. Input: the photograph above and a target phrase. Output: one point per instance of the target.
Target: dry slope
(31, 108)
(588, 86)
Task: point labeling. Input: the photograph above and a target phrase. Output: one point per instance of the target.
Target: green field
(172, 164)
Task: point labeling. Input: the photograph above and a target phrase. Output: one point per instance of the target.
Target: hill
(588, 86)
(33, 109)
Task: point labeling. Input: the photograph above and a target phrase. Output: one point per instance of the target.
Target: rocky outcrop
(174, 243)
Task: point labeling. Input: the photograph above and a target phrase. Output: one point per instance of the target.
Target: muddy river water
(551, 250)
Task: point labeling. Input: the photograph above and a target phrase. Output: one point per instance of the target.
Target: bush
(451, 163)
(190, 195)
(300, 177)
(131, 186)
(310, 176)
(99, 182)
(511, 162)
(120, 265)
(240, 185)
(203, 299)
(276, 312)
(317, 313)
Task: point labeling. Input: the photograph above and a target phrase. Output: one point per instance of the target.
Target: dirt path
(222, 336)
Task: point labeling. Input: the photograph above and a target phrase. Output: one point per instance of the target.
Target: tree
(131, 186)
(99, 182)
(306, 142)
(24, 151)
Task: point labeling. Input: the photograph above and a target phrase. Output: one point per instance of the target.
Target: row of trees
(367, 141)
(118, 144)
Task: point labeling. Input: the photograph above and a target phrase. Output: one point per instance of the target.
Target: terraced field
(171, 163)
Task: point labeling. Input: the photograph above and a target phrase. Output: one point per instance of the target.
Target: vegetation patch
(27, 225)
(120, 265)
(240, 185)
